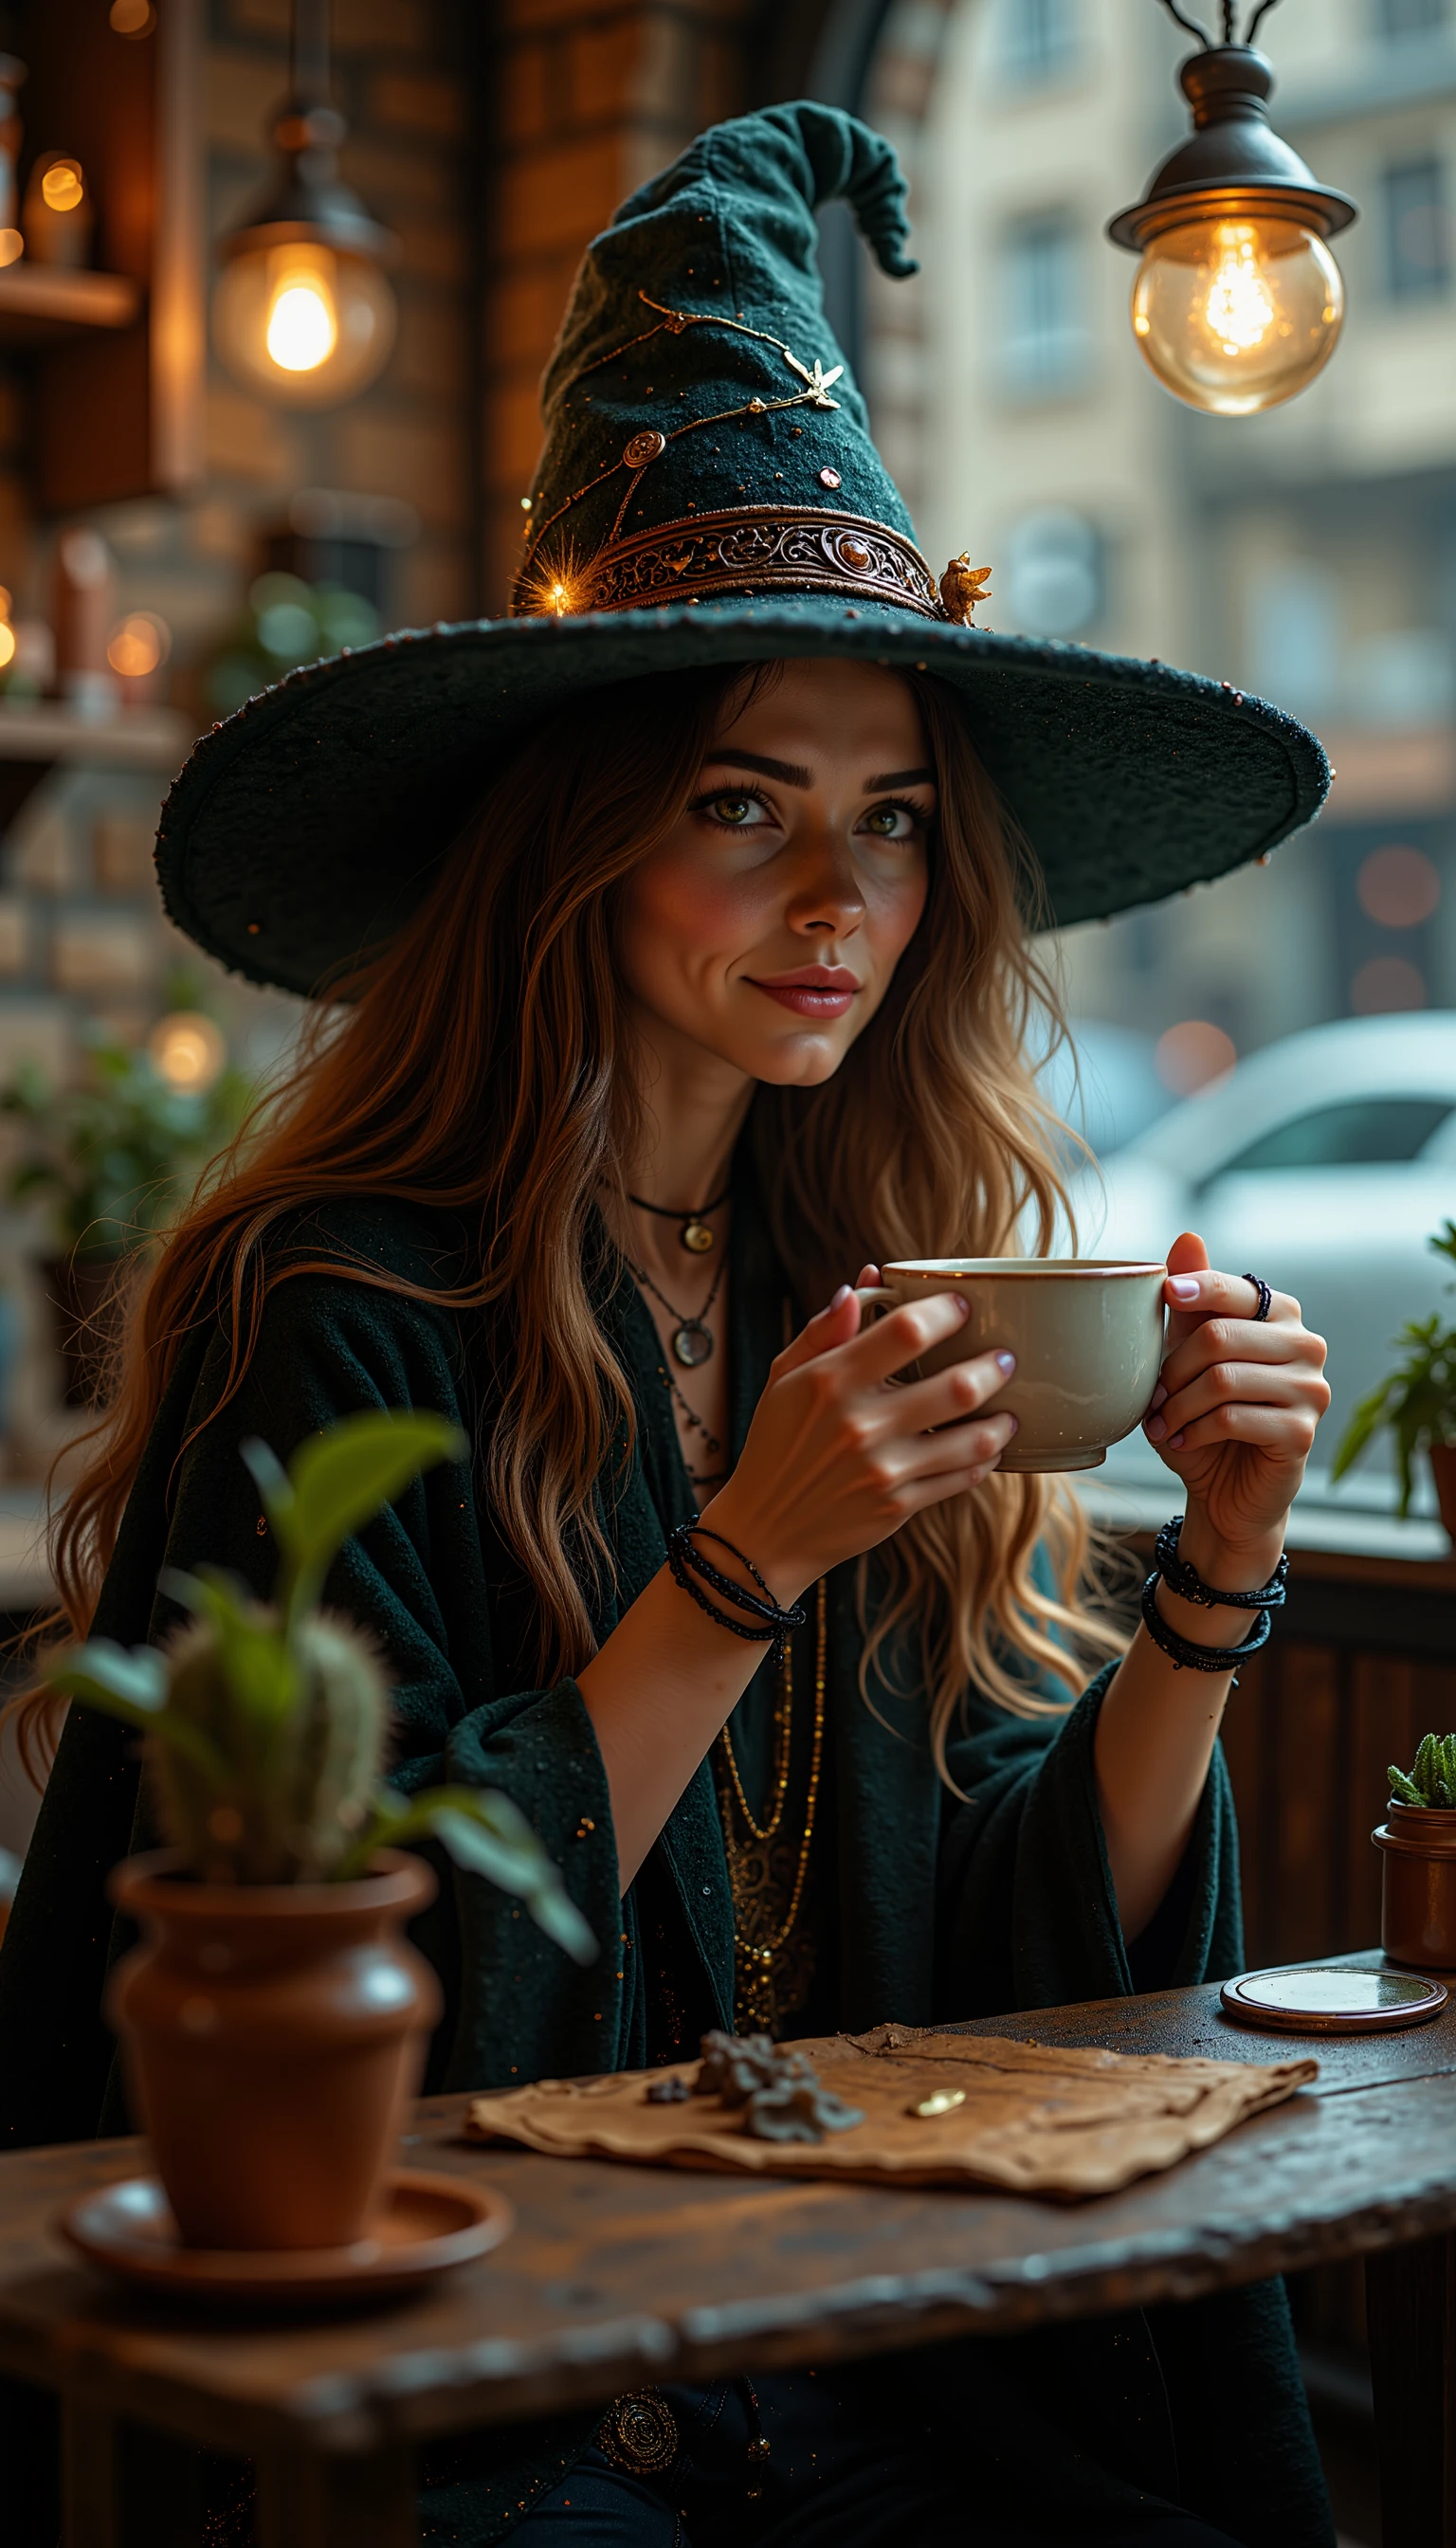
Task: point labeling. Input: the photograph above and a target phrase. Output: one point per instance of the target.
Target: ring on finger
(1264, 1293)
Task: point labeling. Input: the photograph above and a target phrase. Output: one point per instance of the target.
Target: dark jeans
(834, 2477)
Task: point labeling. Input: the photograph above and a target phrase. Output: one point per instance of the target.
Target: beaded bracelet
(1181, 1577)
(766, 1624)
(1181, 1651)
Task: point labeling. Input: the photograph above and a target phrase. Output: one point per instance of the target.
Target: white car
(1324, 1164)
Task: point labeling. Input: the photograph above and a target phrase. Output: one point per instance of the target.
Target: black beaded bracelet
(1181, 1577)
(1183, 1654)
(766, 1623)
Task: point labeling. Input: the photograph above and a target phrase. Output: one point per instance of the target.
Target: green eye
(737, 811)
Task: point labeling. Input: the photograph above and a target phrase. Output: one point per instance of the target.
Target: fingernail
(1184, 1287)
(1175, 1442)
(1155, 1428)
(1159, 1396)
(961, 1304)
(840, 1296)
(1014, 1421)
(1007, 1361)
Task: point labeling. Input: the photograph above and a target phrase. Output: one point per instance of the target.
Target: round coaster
(1328, 1999)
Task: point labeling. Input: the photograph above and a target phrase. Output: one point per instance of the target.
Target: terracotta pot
(1444, 1470)
(78, 1289)
(271, 2036)
(1418, 1917)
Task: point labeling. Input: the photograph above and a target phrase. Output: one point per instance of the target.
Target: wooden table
(619, 2276)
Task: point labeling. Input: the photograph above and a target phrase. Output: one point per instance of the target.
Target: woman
(725, 982)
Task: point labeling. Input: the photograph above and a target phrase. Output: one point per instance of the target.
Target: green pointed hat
(709, 494)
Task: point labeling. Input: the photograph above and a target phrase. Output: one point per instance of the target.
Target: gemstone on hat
(648, 446)
(830, 478)
(853, 552)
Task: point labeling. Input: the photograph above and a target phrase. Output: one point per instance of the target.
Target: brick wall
(590, 101)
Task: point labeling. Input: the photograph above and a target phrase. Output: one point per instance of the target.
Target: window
(1397, 18)
(1417, 248)
(1044, 342)
(1053, 573)
(1363, 1133)
(1035, 42)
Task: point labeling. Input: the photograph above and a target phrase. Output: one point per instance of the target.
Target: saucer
(1314, 1999)
(424, 2226)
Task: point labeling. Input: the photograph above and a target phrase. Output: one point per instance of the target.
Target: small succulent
(266, 1723)
(1432, 1777)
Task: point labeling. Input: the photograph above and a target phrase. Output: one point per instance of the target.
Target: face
(766, 929)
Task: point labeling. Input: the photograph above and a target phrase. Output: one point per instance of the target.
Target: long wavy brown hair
(484, 1063)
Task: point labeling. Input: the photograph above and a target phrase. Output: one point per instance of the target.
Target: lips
(815, 991)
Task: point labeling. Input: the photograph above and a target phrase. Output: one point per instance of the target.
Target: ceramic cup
(1087, 1334)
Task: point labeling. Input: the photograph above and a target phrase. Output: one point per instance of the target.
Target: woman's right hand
(837, 1456)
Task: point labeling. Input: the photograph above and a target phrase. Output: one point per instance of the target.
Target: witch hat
(708, 493)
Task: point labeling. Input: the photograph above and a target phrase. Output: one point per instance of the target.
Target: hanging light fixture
(1238, 302)
(302, 307)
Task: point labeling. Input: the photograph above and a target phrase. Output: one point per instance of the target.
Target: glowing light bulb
(301, 330)
(139, 645)
(61, 186)
(7, 633)
(189, 1051)
(1235, 315)
(307, 323)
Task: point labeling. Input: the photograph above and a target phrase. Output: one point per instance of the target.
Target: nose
(826, 901)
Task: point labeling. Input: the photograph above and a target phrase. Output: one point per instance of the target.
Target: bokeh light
(12, 246)
(139, 645)
(1399, 887)
(189, 1050)
(132, 18)
(1189, 1056)
(1387, 983)
(63, 186)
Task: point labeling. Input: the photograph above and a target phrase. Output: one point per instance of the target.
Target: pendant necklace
(692, 1341)
(694, 1232)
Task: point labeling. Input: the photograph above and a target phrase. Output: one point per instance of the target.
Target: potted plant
(110, 1160)
(1417, 1842)
(1417, 1403)
(273, 2018)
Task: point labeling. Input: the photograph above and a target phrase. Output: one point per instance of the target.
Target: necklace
(690, 1340)
(695, 1424)
(693, 1233)
(762, 1990)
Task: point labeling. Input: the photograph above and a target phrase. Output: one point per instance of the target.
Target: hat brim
(301, 830)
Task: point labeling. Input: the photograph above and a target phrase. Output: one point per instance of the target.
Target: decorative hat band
(762, 548)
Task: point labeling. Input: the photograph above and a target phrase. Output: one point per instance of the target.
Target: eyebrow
(792, 774)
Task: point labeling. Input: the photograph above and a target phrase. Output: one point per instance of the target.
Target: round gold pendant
(696, 1236)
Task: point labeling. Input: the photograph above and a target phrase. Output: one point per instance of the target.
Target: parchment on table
(1036, 2119)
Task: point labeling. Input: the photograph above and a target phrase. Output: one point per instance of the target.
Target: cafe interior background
(201, 486)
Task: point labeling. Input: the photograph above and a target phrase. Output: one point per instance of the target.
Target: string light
(189, 1051)
(7, 632)
(139, 645)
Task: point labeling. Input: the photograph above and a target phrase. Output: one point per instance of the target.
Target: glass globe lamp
(308, 323)
(302, 309)
(1238, 301)
(1234, 315)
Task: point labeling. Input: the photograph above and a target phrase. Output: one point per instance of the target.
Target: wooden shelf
(39, 302)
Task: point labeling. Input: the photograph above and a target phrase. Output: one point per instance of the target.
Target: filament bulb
(1238, 314)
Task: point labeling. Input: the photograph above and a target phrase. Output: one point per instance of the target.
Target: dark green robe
(940, 1909)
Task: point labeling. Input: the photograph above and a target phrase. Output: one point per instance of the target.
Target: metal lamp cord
(1191, 26)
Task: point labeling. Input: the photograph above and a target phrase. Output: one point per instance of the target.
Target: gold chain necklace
(755, 1988)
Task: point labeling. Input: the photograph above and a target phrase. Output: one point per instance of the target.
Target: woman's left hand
(1234, 1411)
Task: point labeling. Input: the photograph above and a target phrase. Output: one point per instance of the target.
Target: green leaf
(1404, 1790)
(1364, 1421)
(339, 1480)
(489, 1836)
(129, 1684)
